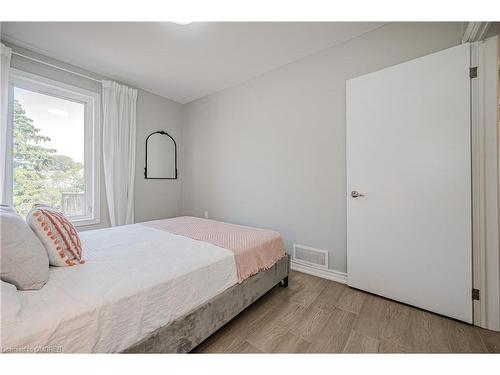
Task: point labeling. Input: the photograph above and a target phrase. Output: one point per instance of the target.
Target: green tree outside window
(40, 174)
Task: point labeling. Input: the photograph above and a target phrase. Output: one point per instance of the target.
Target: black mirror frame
(175, 157)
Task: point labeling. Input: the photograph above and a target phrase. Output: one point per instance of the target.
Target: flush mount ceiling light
(183, 23)
(57, 112)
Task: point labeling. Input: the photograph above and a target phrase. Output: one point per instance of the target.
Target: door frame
(485, 183)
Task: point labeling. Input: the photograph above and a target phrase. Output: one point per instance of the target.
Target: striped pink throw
(254, 249)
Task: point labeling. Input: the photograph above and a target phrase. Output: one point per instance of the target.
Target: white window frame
(92, 135)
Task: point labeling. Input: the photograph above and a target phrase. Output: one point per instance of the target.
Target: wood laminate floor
(315, 315)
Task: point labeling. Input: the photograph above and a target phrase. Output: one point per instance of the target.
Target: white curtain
(6, 54)
(118, 141)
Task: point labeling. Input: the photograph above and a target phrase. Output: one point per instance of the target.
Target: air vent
(310, 256)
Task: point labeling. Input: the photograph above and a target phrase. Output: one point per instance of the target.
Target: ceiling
(180, 62)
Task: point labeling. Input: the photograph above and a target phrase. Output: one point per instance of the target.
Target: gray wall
(156, 199)
(271, 152)
(153, 198)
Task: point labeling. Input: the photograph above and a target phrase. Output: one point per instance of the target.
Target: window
(54, 147)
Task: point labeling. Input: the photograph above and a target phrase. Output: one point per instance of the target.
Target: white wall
(153, 198)
(271, 152)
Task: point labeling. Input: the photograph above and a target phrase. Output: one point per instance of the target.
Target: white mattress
(135, 280)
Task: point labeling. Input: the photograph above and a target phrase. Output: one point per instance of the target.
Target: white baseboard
(340, 277)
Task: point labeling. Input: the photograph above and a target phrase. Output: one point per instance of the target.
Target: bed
(162, 286)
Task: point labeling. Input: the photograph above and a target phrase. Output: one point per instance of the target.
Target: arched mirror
(161, 156)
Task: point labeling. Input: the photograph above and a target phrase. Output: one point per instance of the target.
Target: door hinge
(473, 72)
(475, 294)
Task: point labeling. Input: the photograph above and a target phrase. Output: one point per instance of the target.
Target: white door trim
(485, 177)
(475, 31)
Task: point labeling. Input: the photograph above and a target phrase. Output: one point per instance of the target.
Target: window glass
(48, 153)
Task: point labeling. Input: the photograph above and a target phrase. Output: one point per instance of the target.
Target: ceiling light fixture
(183, 23)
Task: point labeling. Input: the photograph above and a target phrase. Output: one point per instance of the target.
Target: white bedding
(135, 280)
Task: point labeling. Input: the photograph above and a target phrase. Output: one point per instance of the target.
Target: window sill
(84, 222)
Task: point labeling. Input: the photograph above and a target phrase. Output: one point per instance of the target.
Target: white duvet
(135, 280)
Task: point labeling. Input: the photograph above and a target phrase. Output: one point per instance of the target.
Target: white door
(409, 154)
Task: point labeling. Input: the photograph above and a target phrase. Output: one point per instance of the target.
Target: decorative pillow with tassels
(57, 234)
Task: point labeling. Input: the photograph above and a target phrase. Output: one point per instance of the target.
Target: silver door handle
(355, 194)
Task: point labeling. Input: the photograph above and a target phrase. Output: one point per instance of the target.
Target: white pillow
(10, 302)
(24, 260)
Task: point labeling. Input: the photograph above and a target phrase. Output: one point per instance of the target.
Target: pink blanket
(254, 249)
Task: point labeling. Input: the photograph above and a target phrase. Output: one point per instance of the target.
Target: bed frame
(185, 333)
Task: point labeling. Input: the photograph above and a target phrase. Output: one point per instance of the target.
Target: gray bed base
(185, 333)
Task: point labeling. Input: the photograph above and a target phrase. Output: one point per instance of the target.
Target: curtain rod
(56, 67)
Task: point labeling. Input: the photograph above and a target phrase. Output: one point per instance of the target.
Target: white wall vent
(310, 256)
